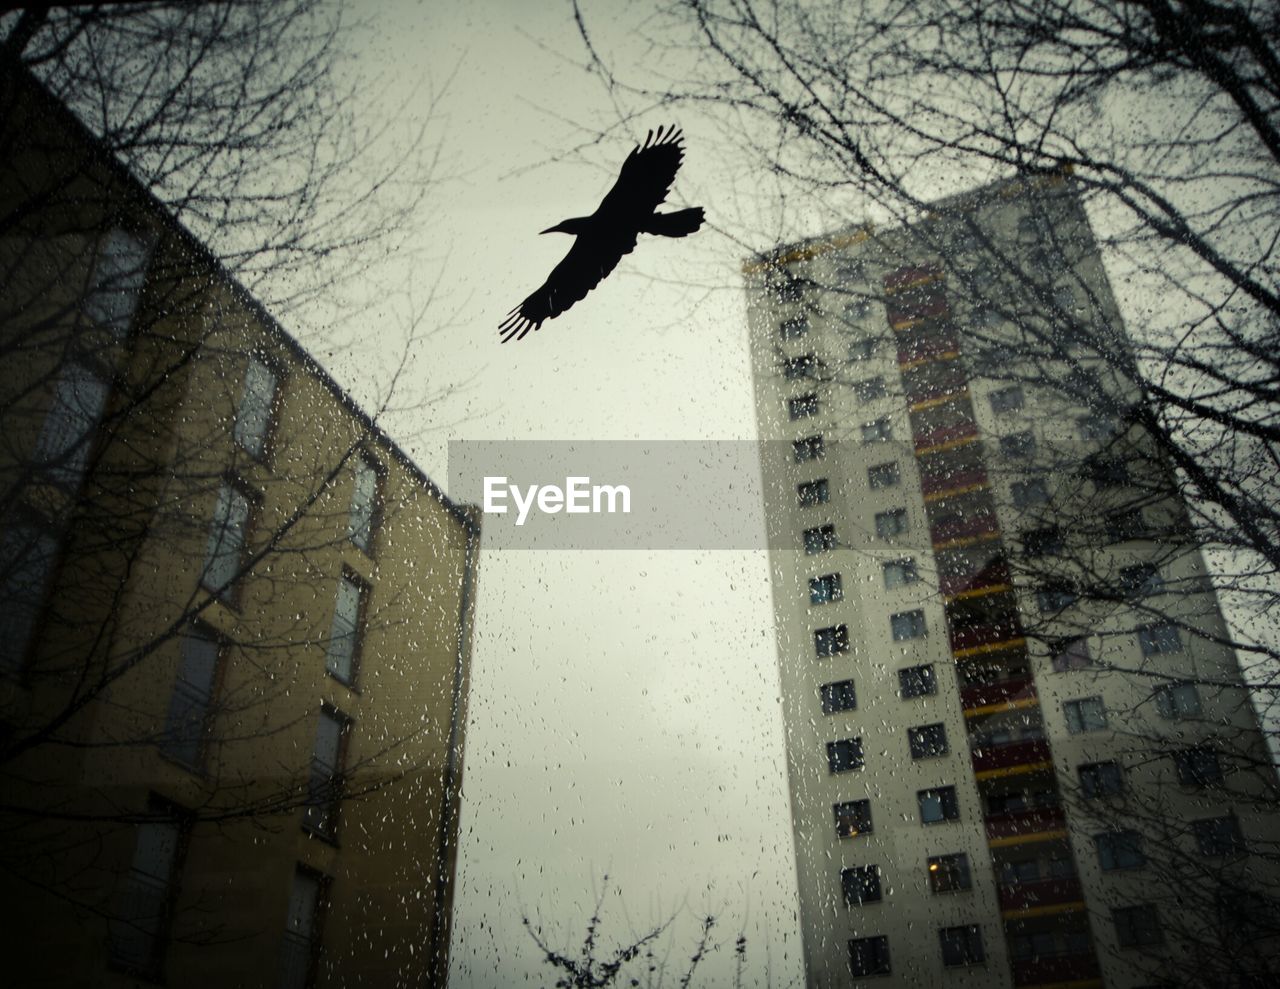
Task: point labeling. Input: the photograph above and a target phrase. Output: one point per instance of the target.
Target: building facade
(235, 618)
(1019, 746)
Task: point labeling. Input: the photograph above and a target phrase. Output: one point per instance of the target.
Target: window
(343, 655)
(853, 817)
(819, 540)
(362, 522)
(869, 956)
(1137, 926)
(891, 523)
(1098, 427)
(861, 884)
(809, 448)
(805, 366)
(869, 389)
(1219, 836)
(803, 407)
(27, 557)
(1042, 542)
(877, 431)
(1125, 525)
(825, 588)
(949, 873)
(301, 946)
(938, 804)
(139, 922)
(1055, 596)
(224, 557)
(257, 405)
(1198, 767)
(794, 328)
(1140, 581)
(927, 741)
(1101, 779)
(813, 493)
(1177, 700)
(1108, 472)
(832, 640)
(1007, 399)
(844, 755)
(917, 681)
(1028, 493)
(1019, 446)
(900, 572)
(1159, 638)
(839, 696)
(67, 434)
(1086, 714)
(961, 945)
(191, 702)
(324, 792)
(1070, 653)
(118, 275)
(1119, 850)
(857, 309)
(883, 476)
(907, 625)
(862, 349)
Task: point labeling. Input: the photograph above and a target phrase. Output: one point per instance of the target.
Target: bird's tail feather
(681, 223)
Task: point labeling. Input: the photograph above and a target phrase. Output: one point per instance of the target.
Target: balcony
(1040, 893)
(1000, 692)
(1026, 752)
(1026, 823)
(926, 348)
(973, 636)
(946, 434)
(933, 484)
(953, 529)
(1050, 969)
(994, 574)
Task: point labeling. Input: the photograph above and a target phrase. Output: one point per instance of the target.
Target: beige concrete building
(1019, 752)
(234, 618)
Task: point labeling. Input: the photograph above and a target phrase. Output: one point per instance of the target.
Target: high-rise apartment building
(235, 617)
(1020, 750)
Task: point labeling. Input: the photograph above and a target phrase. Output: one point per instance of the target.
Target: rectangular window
(820, 539)
(1007, 399)
(793, 328)
(366, 502)
(301, 948)
(825, 589)
(802, 407)
(891, 523)
(67, 434)
(949, 873)
(1054, 596)
(804, 366)
(1198, 766)
(1084, 715)
(225, 556)
(877, 431)
(1108, 472)
(1137, 926)
(1178, 700)
(1018, 446)
(927, 741)
(343, 655)
(27, 557)
(831, 640)
(139, 923)
(1219, 836)
(191, 702)
(809, 448)
(813, 493)
(1042, 542)
(1071, 653)
(862, 349)
(869, 389)
(839, 696)
(917, 681)
(907, 625)
(1123, 526)
(324, 790)
(861, 885)
(1101, 779)
(1159, 638)
(119, 272)
(1140, 581)
(1119, 850)
(961, 945)
(844, 755)
(938, 804)
(256, 409)
(883, 476)
(1029, 493)
(869, 956)
(900, 572)
(853, 817)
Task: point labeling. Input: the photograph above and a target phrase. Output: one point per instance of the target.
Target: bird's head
(574, 225)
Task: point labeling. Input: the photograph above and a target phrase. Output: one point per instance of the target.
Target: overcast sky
(624, 716)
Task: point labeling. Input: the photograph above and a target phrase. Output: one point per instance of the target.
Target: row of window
(862, 884)
(935, 804)
(960, 946)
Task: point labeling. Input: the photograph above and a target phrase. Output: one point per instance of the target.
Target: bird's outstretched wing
(583, 267)
(646, 176)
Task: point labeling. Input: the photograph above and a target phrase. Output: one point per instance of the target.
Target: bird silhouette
(629, 209)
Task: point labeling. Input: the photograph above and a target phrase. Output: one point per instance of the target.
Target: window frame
(271, 414)
(948, 804)
(359, 627)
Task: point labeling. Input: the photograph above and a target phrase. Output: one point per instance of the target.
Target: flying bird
(629, 210)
